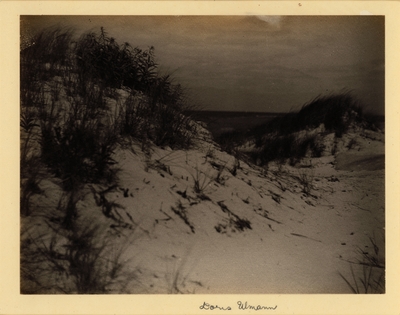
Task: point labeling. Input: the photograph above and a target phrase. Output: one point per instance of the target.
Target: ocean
(219, 122)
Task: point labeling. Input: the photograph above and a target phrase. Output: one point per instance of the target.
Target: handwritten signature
(240, 305)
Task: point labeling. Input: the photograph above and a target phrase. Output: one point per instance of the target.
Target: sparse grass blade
(348, 283)
(370, 281)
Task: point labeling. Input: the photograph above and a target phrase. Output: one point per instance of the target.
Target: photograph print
(235, 154)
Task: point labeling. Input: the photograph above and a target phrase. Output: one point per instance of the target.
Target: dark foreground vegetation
(288, 137)
(73, 118)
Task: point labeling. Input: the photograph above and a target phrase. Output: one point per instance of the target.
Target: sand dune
(247, 229)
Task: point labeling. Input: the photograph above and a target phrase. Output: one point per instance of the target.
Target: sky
(253, 63)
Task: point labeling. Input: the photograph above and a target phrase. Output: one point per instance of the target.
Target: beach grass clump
(368, 283)
(79, 151)
(31, 177)
(372, 279)
(229, 141)
(201, 181)
(75, 114)
(66, 84)
(288, 147)
(101, 59)
(337, 112)
(155, 109)
(82, 261)
(306, 177)
(31, 168)
(47, 54)
(280, 139)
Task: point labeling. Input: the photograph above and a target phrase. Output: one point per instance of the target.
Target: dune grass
(306, 177)
(84, 261)
(368, 283)
(336, 111)
(74, 116)
(66, 118)
(201, 180)
(373, 272)
(283, 139)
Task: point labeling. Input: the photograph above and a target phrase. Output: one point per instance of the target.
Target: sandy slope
(253, 231)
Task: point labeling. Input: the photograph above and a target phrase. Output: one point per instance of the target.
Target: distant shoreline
(233, 113)
(219, 122)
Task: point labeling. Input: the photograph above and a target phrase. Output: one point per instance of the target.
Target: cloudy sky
(254, 63)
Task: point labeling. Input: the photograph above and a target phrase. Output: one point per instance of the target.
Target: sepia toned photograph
(235, 154)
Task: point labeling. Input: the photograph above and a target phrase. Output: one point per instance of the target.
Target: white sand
(297, 243)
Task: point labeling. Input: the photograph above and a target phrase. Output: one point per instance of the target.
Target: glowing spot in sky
(273, 20)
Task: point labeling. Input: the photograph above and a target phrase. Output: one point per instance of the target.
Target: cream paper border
(11, 302)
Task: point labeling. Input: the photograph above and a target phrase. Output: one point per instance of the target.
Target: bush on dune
(77, 135)
(101, 59)
(83, 261)
(279, 139)
(337, 112)
(229, 141)
(47, 55)
(67, 124)
(288, 147)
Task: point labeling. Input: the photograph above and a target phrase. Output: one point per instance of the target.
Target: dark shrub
(79, 152)
(101, 59)
(229, 141)
(277, 141)
(64, 89)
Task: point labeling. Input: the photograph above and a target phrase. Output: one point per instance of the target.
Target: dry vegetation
(82, 98)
